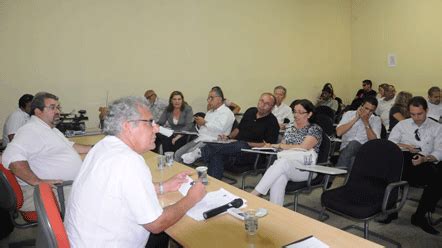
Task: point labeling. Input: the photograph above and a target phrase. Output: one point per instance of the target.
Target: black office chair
(321, 180)
(11, 200)
(325, 110)
(246, 165)
(372, 188)
(326, 123)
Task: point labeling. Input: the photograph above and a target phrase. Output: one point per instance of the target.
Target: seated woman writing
(178, 116)
(300, 134)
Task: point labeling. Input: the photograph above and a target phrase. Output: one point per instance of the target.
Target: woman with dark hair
(178, 116)
(399, 110)
(302, 134)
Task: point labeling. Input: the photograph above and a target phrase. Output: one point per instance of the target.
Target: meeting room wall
(408, 29)
(84, 51)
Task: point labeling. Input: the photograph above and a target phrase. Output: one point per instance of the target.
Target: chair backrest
(51, 230)
(379, 162)
(28, 216)
(7, 195)
(324, 149)
(325, 110)
(13, 184)
(326, 123)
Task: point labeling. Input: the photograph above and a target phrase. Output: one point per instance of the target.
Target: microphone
(213, 212)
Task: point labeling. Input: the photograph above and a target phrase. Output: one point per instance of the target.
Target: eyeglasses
(53, 107)
(268, 104)
(210, 98)
(417, 135)
(151, 122)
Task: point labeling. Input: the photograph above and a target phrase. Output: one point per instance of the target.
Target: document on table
(166, 131)
(308, 242)
(212, 200)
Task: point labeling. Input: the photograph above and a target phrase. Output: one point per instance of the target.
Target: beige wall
(82, 49)
(408, 28)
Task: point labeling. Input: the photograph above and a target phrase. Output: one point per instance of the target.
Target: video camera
(69, 124)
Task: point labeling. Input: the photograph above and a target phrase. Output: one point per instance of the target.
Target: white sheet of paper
(212, 200)
(186, 186)
(311, 242)
(166, 131)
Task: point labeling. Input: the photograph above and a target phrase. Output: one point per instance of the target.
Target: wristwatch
(367, 126)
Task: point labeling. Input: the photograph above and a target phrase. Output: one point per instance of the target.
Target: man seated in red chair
(39, 152)
(113, 200)
(421, 139)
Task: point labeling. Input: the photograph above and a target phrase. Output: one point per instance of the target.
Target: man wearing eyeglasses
(156, 104)
(114, 202)
(39, 152)
(217, 121)
(356, 128)
(258, 126)
(421, 140)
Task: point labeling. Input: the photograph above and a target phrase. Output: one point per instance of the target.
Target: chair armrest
(64, 183)
(387, 193)
(60, 194)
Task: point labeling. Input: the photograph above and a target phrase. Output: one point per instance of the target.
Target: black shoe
(422, 222)
(389, 218)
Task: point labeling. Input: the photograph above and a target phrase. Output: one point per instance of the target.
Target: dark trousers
(166, 142)
(160, 240)
(428, 175)
(215, 155)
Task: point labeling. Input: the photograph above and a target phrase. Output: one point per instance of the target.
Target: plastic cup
(161, 161)
(202, 174)
(169, 158)
(251, 222)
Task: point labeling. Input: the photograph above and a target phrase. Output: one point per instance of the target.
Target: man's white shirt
(358, 130)
(434, 111)
(430, 135)
(218, 121)
(14, 121)
(111, 198)
(383, 111)
(282, 112)
(49, 154)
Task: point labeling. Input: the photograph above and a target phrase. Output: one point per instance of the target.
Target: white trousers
(276, 178)
(28, 196)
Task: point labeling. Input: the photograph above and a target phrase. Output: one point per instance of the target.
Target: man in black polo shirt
(257, 126)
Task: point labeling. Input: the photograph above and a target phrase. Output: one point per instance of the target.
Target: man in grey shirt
(156, 105)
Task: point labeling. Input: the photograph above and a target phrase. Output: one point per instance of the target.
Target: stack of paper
(212, 200)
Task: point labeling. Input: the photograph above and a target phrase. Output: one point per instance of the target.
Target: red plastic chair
(29, 216)
(51, 231)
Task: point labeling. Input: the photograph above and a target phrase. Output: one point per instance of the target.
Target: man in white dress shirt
(113, 201)
(356, 128)
(385, 104)
(420, 138)
(218, 121)
(434, 104)
(39, 152)
(281, 111)
(17, 119)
